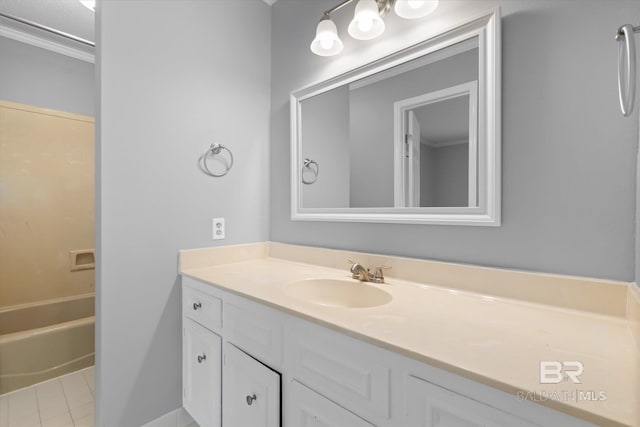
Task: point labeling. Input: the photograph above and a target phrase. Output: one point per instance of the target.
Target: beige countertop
(490, 339)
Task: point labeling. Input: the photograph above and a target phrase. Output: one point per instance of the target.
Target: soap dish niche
(83, 259)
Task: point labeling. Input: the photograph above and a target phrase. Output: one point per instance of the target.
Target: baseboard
(176, 418)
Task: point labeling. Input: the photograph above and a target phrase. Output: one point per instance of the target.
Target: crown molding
(34, 40)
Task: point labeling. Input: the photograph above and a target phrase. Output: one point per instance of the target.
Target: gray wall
(34, 76)
(174, 76)
(427, 181)
(444, 175)
(569, 157)
(325, 136)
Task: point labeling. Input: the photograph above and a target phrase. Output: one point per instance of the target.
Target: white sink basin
(338, 293)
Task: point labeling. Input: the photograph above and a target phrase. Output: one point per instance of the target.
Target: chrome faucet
(360, 273)
(364, 275)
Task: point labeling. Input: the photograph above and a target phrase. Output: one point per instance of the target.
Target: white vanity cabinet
(279, 369)
(224, 345)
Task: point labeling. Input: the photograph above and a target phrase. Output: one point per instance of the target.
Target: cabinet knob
(202, 358)
(250, 399)
(197, 305)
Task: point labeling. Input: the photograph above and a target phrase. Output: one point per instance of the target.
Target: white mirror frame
(488, 212)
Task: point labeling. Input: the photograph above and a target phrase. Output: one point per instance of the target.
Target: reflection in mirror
(412, 137)
(436, 148)
(352, 131)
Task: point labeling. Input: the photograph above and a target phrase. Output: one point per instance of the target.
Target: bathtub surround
(174, 76)
(568, 154)
(46, 211)
(45, 313)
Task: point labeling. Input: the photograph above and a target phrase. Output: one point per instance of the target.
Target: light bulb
(326, 43)
(412, 9)
(366, 23)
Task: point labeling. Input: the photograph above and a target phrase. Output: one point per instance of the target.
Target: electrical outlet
(218, 229)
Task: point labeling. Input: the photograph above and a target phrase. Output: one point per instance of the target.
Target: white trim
(33, 40)
(394, 217)
(444, 144)
(486, 27)
(418, 63)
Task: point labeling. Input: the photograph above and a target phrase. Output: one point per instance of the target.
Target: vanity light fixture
(367, 22)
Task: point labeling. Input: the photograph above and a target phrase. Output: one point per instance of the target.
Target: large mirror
(414, 137)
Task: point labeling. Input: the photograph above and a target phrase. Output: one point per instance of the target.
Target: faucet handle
(358, 271)
(354, 264)
(378, 277)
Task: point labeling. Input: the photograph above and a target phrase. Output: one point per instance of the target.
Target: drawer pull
(250, 399)
(196, 306)
(202, 358)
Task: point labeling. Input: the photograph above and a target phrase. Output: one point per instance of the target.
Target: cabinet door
(431, 406)
(310, 409)
(251, 391)
(201, 374)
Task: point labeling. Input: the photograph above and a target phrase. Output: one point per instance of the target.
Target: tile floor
(66, 401)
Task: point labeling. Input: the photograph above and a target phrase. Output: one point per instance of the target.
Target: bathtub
(45, 340)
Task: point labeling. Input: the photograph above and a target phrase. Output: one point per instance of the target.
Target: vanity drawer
(256, 330)
(204, 309)
(351, 373)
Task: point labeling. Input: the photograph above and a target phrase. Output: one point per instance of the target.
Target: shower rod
(48, 29)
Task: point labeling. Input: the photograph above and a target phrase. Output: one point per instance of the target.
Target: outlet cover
(218, 229)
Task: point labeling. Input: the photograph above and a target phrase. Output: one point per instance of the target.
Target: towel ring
(626, 53)
(307, 165)
(215, 150)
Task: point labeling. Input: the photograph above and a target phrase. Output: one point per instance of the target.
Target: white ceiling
(69, 16)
